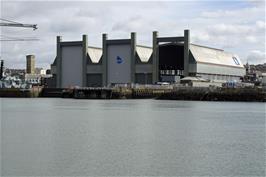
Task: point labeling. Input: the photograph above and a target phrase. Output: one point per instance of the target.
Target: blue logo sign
(119, 60)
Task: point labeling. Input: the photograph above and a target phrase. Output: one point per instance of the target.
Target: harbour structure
(123, 61)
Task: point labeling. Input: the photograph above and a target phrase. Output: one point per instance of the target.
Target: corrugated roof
(144, 53)
(214, 56)
(95, 54)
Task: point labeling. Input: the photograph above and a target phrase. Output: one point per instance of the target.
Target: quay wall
(176, 93)
(216, 94)
(17, 93)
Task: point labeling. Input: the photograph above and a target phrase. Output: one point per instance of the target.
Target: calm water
(131, 137)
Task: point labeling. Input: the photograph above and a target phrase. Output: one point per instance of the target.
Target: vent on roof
(236, 61)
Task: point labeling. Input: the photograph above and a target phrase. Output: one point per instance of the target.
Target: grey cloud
(257, 2)
(128, 24)
(72, 19)
(256, 57)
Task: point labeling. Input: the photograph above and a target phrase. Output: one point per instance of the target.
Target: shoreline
(182, 93)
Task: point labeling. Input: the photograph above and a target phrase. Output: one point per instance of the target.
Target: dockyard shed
(123, 61)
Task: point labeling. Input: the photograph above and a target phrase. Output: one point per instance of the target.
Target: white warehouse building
(216, 64)
(122, 61)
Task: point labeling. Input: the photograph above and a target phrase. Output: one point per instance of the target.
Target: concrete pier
(216, 94)
(177, 93)
(92, 93)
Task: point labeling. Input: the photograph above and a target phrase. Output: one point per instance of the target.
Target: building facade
(123, 61)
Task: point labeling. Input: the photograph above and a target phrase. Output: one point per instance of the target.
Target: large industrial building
(123, 61)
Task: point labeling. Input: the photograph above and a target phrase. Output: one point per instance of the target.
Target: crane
(10, 23)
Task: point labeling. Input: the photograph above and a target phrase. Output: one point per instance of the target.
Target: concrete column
(84, 59)
(186, 52)
(155, 58)
(104, 60)
(58, 62)
(133, 56)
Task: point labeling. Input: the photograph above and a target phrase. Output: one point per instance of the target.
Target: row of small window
(33, 80)
(171, 72)
(218, 77)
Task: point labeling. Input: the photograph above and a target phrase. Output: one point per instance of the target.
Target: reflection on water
(131, 137)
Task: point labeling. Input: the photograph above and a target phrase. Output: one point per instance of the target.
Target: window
(236, 61)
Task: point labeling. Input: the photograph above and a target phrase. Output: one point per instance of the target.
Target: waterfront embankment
(162, 93)
(20, 93)
(215, 94)
(177, 93)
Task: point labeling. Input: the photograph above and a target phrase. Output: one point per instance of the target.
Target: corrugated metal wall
(71, 66)
(119, 63)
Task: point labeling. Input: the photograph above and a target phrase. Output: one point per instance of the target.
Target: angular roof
(54, 63)
(144, 53)
(209, 55)
(95, 54)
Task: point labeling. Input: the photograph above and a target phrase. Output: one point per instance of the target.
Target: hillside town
(24, 78)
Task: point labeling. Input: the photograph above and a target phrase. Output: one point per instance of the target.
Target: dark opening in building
(171, 61)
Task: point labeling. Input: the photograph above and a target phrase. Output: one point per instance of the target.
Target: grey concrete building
(126, 62)
(121, 61)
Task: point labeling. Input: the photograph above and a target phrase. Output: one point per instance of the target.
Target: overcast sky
(235, 26)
